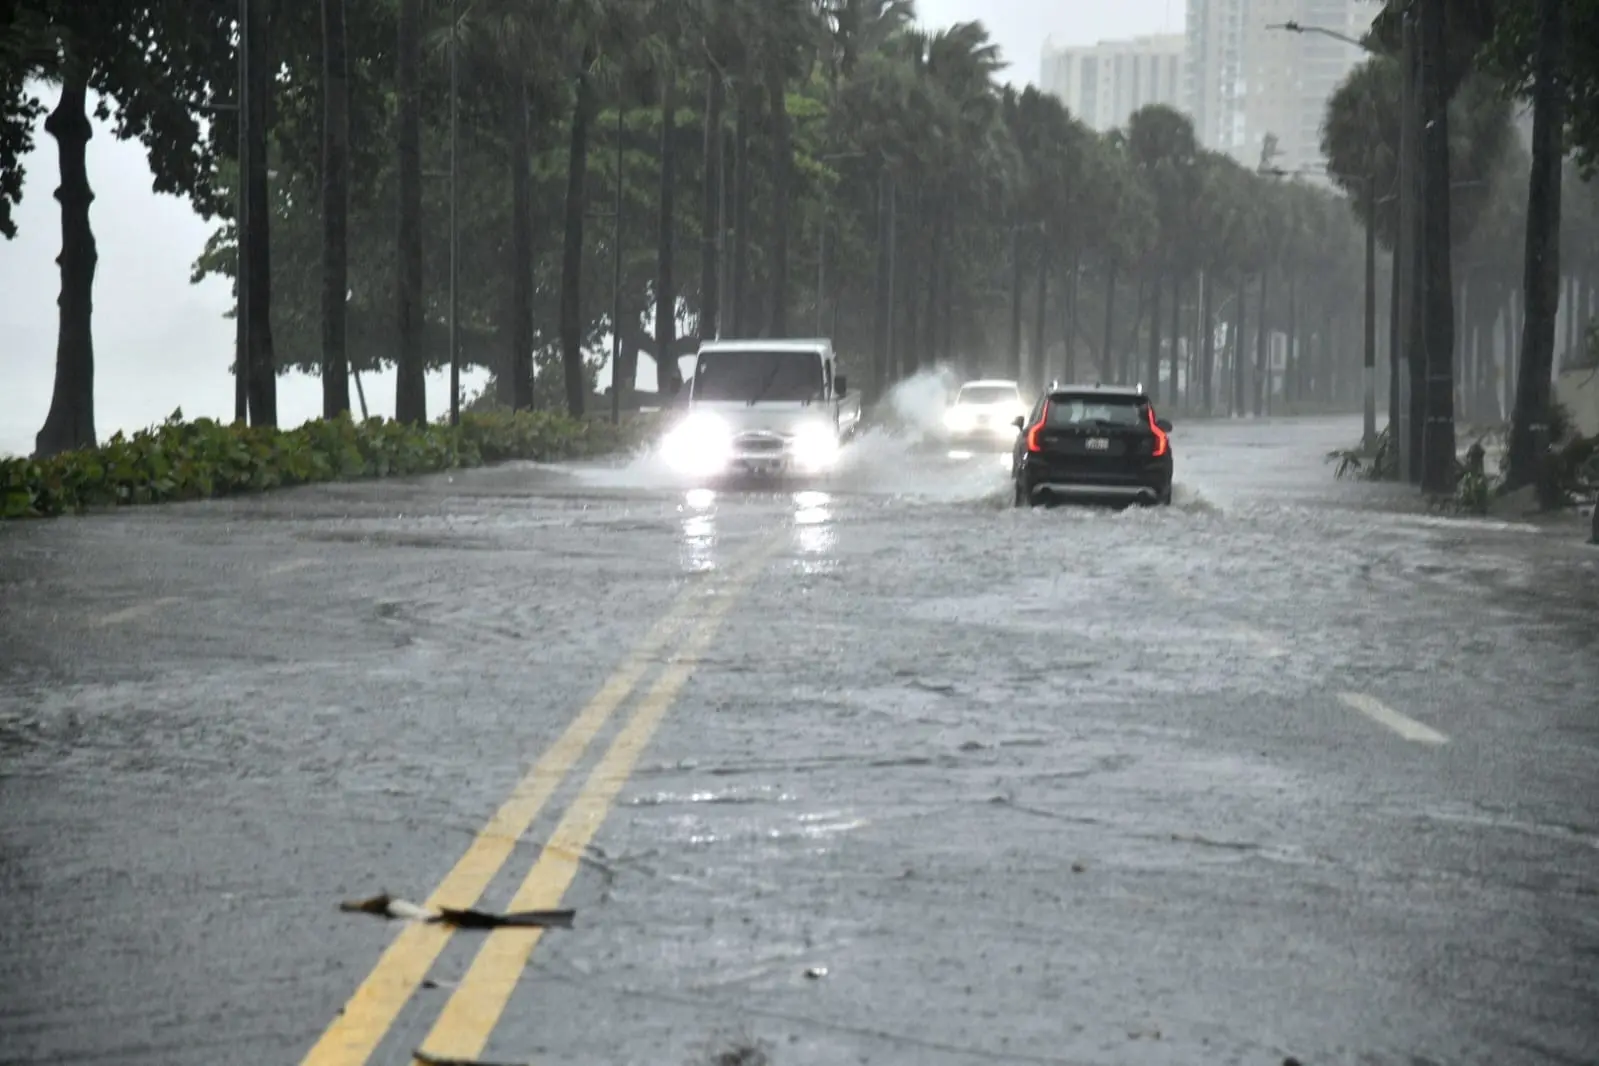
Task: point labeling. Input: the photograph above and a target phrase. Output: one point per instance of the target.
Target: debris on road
(816, 973)
(433, 1060)
(386, 906)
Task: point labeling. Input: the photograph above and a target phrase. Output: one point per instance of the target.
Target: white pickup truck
(763, 407)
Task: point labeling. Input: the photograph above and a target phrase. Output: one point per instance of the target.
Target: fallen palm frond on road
(384, 905)
(202, 459)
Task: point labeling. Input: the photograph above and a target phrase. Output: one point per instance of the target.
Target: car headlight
(815, 446)
(701, 444)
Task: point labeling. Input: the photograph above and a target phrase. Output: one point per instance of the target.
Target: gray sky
(161, 343)
(1021, 26)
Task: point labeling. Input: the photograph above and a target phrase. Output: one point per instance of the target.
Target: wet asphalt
(1289, 769)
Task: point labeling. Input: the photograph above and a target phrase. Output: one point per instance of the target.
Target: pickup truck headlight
(959, 419)
(816, 446)
(701, 444)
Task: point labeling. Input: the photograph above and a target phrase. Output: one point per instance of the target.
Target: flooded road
(873, 770)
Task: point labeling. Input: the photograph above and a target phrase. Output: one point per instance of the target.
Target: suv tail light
(1161, 443)
(1036, 429)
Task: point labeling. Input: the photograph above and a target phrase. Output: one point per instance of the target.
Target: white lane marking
(292, 565)
(1383, 714)
(138, 610)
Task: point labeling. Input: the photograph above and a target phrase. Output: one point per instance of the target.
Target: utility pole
(455, 235)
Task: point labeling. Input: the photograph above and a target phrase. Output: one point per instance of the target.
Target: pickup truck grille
(758, 442)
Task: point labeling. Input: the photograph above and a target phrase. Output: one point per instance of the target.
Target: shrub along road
(888, 771)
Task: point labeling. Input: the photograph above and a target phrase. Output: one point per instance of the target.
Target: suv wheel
(1019, 494)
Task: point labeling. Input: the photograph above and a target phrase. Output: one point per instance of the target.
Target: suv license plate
(1098, 444)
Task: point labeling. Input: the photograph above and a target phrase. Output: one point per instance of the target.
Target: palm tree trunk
(1293, 363)
(1262, 381)
(410, 401)
(1528, 435)
(935, 262)
(1040, 368)
(335, 211)
(741, 216)
(1396, 343)
(1176, 337)
(1438, 436)
(711, 220)
(1016, 301)
(520, 361)
(258, 274)
(1240, 358)
(1152, 367)
(70, 423)
(1207, 346)
(667, 377)
(571, 327)
(1068, 322)
(1107, 357)
(782, 179)
(946, 306)
(882, 318)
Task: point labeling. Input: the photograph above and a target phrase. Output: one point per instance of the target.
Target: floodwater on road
(876, 768)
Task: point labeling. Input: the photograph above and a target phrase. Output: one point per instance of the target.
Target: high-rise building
(1247, 80)
(1105, 83)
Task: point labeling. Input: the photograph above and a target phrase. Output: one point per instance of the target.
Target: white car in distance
(984, 413)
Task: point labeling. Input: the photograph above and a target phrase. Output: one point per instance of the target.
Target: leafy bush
(1379, 464)
(180, 460)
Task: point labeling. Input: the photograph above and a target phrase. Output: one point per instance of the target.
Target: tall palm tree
(410, 403)
(1542, 285)
(335, 211)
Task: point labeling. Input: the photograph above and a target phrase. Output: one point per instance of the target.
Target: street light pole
(455, 237)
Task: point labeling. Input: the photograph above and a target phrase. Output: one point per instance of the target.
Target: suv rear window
(1094, 410)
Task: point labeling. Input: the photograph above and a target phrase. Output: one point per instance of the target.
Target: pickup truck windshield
(752, 375)
(982, 395)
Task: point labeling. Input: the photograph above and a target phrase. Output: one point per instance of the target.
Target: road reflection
(815, 535)
(698, 543)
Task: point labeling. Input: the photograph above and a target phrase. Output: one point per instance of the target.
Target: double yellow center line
(475, 1007)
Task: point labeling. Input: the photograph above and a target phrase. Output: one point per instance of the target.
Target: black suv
(1093, 442)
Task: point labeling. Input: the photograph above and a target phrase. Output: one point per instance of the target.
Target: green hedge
(180, 460)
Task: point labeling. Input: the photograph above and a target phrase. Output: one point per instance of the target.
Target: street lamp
(1294, 27)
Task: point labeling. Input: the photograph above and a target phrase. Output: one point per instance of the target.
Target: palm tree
(70, 423)
(1525, 458)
